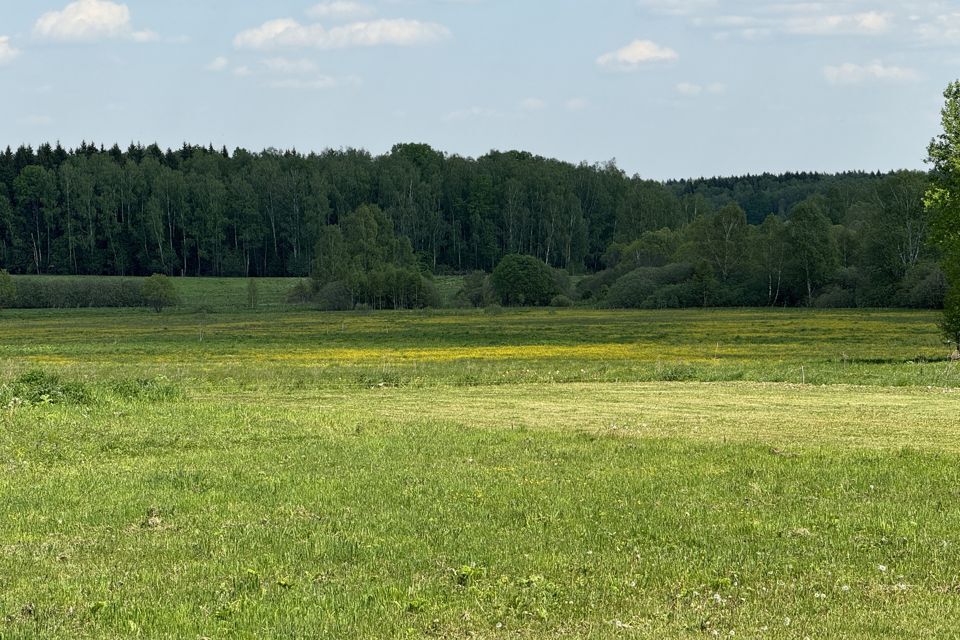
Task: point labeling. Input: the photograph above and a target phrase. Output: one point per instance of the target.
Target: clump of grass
(38, 386)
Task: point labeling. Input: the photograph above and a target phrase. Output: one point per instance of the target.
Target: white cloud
(805, 18)
(850, 73)
(533, 104)
(340, 9)
(677, 7)
(870, 23)
(287, 73)
(90, 20)
(716, 88)
(286, 66)
(290, 33)
(220, 63)
(8, 53)
(942, 29)
(635, 55)
(692, 90)
(576, 104)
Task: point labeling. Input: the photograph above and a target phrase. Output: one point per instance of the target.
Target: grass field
(524, 474)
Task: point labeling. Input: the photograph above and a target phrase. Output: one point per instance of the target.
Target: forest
(369, 224)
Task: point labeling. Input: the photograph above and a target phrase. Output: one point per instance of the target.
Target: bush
(44, 292)
(634, 289)
(836, 297)
(597, 286)
(158, 292)
(561, 301)
(950, 321)
(8, 290)
(334, 296)
(675, 296)
(476, 291)
(300, 293)
(923, 287)
(524, 280)
(39, 387)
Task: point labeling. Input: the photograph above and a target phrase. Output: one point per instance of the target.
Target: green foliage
(300, 293)
(524, 281)
(720, 238)
(334, 296)
(38, 386)
(813, 249)
(477, 290)
(942, 200)
(924, 286)
(950, 321)
(42, 292)
(8, 289)
(377, 267)
(635, 289)
(341, 216)
(159, 292)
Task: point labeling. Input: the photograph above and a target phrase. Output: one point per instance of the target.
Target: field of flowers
(523, 474)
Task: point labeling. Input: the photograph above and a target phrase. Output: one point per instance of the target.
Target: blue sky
(669, 88)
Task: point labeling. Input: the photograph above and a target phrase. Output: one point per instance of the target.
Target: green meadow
(287, 473)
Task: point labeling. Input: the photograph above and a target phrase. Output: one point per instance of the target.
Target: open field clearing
(446, 347)
(758, 474)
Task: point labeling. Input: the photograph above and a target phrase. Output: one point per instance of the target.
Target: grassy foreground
(759, 474)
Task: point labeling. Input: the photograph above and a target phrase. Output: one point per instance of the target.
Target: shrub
(43, 292)
(334, 296)
(597, 286)
(300, 293)
(561, 301)
(836, 298)
(477, 290)
(634, 289)
(950, 321)
(158, 292)
(923, 287)
(39, 387)
(524, 280)
(8, 290)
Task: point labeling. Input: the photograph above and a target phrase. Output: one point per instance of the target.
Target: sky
(667, 88)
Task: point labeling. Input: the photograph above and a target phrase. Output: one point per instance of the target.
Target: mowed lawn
(525, 474)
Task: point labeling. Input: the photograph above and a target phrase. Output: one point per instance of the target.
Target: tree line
(372, 225)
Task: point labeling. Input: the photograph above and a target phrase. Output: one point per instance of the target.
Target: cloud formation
(635, 55)
(89, 21)
(8, 53)
(340, 9)
(288, 33)
(533, 104)
(220, 63)
(677, 7)
(850, 73)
